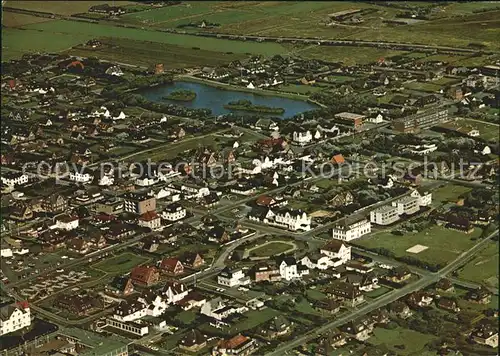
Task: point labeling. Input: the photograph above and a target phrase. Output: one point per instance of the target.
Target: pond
(209, 97)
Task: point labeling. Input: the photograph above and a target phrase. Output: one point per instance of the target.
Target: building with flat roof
(384, 215)
(95, 344)
(421, 120)
(352, 120)
(407, 205)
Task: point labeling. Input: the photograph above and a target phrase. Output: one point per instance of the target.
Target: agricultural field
(12, 19)
(120, 264)
(147, 54)
(488, 131)
(443, 245)
(483, 268)
(61, 7)
(349, 55)
(413, 341)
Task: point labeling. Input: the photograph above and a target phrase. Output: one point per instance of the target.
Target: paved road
(384, 300)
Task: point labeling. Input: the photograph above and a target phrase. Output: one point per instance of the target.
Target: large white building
(293, 219)
(285, 218)
(14, 179)
(407, 205)
(347, 231)
(384, 215)
(14, 317)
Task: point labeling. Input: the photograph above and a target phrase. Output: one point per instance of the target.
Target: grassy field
(488, 131)
(120, 264)
(210, 44)
(61, 7)
(349, 55)
(448, 193)
(12, 19)
(483, 268)
(254, 318)
(413, 341)
(147, 53)
(271, 249)
(443, 244)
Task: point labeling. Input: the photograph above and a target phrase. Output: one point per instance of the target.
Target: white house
(130, 311)
(250, 86)
(174, 212)
(80, 176)
(121, 116)
(14, 317)
(218, 309)
(175, 291)
(347, 231)
(150, 219)
(317, 261)
(146, 180)
(106, 180)
(424, 198)
(14, 178)
(338, 252)
(302, 137)
(67, 222)
(114, 70)
(288, 268)
(376, 118)
(232, 277)
(422, 149)
(407, 205)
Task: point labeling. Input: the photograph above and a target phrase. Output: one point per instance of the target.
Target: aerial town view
(249, 178)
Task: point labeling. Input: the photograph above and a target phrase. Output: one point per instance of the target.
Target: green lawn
(448, 193)
(378, 292)
(272, 249)
(254, 318)
(488, 131)
(413, 341)
(349, 55)
(315, 294)
(186, 317)
(120, 264)
(443, 244)
(483, 268)
(300, 89)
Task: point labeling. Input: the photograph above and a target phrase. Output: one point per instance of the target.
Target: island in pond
(246, 105)
(181, 95)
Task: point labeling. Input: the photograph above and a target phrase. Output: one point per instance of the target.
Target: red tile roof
(149, 216)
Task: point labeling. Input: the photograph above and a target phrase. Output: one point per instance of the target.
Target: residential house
(172, 266)
(479, 296)
(448, 304)
(54, 204)
(400, 309)
(302, 138)
(398, 274)
(150, 220)
(145, 275)
(336, 251)
(67, 222)
(21, 211)
(485, 334)
(288, 267)
(424, 197)
(276, 327)
(78, 245)
(359, 329)
(120, 286)
(341, 199)
(192, 259)
(139, 204)
(174, 212)
(420, 299)
(263, 271)
(14, 317)
(219, 310)
(193, 341)
(175, 291)
(444, 285)
(348, 293)
(317, 261)
(232, 277)
(237, 345)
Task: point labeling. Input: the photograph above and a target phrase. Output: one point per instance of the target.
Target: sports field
(443, 244)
